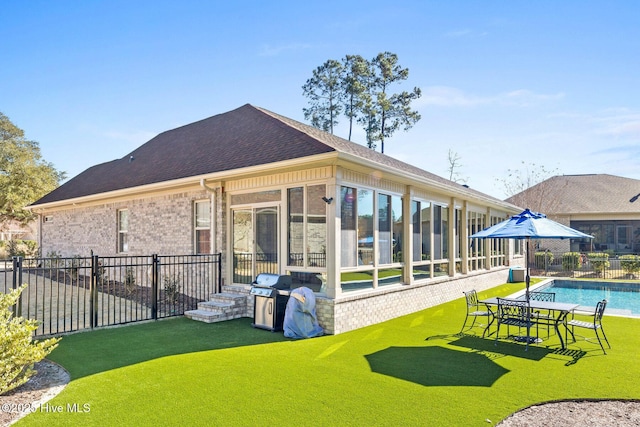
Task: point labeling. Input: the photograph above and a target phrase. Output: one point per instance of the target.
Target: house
(604, 206)
(373, 237)
(10, 230)
(16, 237)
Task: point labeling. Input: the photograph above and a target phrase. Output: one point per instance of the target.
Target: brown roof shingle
(590, 194)
(244, 137)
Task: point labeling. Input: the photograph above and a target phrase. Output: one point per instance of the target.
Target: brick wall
(162, 225)
(353, 312)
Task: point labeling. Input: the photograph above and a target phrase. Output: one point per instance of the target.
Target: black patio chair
(514, 313)
(475, 310)
(595, 325)
(545, 319)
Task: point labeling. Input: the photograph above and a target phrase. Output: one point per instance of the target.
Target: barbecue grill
(271, 296)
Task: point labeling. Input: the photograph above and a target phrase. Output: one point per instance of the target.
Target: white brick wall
(353, 312)
(161, 225)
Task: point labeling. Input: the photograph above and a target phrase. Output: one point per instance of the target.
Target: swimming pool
(623, 298)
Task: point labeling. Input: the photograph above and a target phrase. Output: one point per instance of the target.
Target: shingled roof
(590, 194)
(244, 137)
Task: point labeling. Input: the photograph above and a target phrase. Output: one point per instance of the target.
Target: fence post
(219, 278)
(16, 282)
(546, 262)
(93, 291)
(155, 266)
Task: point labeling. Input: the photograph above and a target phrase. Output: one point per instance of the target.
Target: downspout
(39, 232)
(214, 226)
(214, 211)
(211, 190)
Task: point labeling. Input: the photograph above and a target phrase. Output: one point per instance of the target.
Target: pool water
(623, 298)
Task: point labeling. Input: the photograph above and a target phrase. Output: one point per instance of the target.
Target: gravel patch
(49, 380)
(586, 413)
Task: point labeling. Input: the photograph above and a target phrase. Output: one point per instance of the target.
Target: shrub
(4, 252)
(102, 278)
(52, 259)
(18, 352)
(74, 268)
(571, 261)
(171, 287)
(630, 263)
(130, 281)
(23, 248)
(599, 261)
(540, 259)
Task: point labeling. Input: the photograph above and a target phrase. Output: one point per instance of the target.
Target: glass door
(255, 243)
(623, 241)
(266, 240)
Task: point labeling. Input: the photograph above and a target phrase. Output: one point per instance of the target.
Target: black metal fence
(71, 294)
(585, 265)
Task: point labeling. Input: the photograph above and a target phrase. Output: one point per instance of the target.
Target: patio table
(562, 308)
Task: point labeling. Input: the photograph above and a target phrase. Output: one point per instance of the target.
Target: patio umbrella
(529, 225)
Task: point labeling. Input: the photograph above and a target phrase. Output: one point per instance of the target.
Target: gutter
(432, 183)
(257, 169)
(167, 185)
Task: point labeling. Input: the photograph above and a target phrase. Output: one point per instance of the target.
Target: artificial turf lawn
(414, 370)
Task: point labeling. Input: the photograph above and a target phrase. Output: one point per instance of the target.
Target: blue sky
(550, 83)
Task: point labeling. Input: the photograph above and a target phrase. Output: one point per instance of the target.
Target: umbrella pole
(527, 280)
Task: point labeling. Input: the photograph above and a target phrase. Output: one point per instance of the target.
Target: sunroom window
(202, 226)
(123, 230)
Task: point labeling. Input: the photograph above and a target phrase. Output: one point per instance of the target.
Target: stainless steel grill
(271, 293)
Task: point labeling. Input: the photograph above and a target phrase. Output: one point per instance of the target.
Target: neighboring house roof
(245, 137)
(589, 194)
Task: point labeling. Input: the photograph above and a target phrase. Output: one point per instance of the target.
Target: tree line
(24, 175)
(361, 90)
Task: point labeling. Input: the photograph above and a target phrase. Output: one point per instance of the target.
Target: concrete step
(222, 306)
(237, 289)
(215, 306)
(209, 316)
(205, 316)
(229, 297)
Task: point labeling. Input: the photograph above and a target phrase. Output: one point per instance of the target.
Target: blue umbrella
(529, 225)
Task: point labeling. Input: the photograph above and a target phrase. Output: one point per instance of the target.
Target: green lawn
(414, 370)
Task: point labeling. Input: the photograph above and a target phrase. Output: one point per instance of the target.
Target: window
(316, 226)
(202, 226)
(441, 232)
(441, 240)
(123, 230)
(348, 212)
(365, 227)
(295, 211)
(357, 228)
(384, 229)
(416, 239)
(398, 228)
(498, 246)
(307, 226)
(371, 238)
(458, 229)
(425, 220)
(517, 247)
(476, 223)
